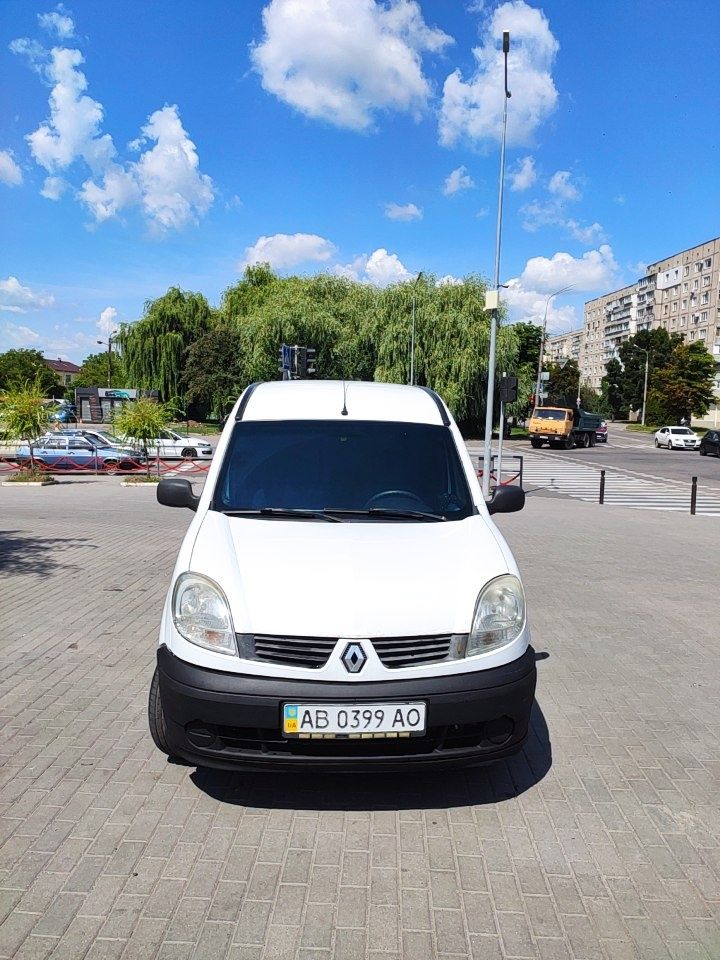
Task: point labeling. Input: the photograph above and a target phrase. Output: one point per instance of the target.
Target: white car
(174, 446)
(342, 599)
(677, 438)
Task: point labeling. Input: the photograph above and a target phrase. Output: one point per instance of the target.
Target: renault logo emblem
(354, 658)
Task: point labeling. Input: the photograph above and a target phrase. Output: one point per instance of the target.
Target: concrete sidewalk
(600, 842)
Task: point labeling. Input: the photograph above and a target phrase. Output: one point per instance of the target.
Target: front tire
(189, 453)
(536, 444)
(110, 466)
(156, 718)
(657, 443)
(703, 452)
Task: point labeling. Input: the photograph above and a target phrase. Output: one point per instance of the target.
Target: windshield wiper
(287, 512)
(385, 512)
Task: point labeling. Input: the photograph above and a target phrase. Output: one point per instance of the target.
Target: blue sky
(144, 145)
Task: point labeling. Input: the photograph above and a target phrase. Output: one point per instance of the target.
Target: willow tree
(452, 339)
(332, 314)
(153, 348)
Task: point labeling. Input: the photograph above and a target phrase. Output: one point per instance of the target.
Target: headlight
(201, 614)
(499, 615)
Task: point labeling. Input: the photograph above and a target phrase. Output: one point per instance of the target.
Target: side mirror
(177, 493)
(507, 499)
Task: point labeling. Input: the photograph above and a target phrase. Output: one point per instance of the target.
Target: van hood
(311, 578)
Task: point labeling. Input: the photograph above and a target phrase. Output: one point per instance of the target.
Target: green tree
(213, 370)
(21, 366)
(154, 347)
(612, 388)
(683, 387)
(142, 420)
(24, 414)
(94, 371)
(660, 345)
(564, 384)
(529, 336)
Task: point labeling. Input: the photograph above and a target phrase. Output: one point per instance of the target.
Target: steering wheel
(395, 493)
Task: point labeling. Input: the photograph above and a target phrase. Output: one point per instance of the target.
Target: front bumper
(229, 720)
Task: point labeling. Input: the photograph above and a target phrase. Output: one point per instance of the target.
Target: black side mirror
(507, 499)
(177, 493)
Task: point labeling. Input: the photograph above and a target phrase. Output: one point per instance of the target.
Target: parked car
(677, 438)
(174, 446)
(100, 438)
(710, 443)
(342, 598)
(59, 452)
(62, 412)
(601, 434)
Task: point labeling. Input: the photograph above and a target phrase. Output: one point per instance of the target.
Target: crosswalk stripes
(582, 482)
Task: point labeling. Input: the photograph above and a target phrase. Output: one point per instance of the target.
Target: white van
(342, 598)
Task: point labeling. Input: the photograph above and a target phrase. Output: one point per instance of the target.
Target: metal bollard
(602, 486)
(693, 496)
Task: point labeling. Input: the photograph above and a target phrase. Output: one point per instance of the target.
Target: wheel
(569, 443)
(189, 453)
(593, 439)
(703, 452)
(670, 445)
(110, 466)
(535, 443)
(585, 440)
(657, 442)
(156, 718)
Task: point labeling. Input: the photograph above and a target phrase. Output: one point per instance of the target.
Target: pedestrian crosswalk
(582, 482)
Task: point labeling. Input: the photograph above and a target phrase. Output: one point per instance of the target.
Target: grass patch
(203, 427)
(640, 428)
(143, 479)
(28, 475)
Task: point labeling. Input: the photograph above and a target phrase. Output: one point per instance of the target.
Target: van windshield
(361, 469)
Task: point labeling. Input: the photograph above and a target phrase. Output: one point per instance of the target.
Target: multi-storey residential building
(564, 345)
(680, 293)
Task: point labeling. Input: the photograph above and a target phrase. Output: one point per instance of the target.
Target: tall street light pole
(493, 303)
(109, 359)
(542, 339)
(412, 336)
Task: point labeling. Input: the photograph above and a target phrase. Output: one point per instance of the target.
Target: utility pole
(493, 303)
(109, 358)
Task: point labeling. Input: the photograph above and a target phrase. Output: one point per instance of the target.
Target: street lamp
(634, 346)
(109, 358)
(493, 302)
(412, 338)
(542, 339)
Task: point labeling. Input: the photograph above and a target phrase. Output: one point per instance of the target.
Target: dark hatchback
(710, 443)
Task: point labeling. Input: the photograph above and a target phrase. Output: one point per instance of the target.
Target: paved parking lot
(600, 842)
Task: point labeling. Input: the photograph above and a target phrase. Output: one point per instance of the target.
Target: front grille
(312, 652)
(396, 652)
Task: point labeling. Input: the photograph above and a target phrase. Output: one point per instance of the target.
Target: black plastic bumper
(230, 720)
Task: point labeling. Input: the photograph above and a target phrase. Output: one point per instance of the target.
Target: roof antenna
(344, 411)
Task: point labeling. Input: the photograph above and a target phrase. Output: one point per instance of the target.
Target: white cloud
(482, 213)
(54, 187)
(619, 200)
(165, 181)
(595, 270)
(529, 306)
(456, 181)
(15, 298)
(16, 335)
(561, 186)
(10, 172)
(106, 324)
(553, 213)
(449, 281)
(393, 211)
(589, 234)
(343, 61)
(379, 268)
(288, 250)
(473, 109)
(58, 22)
(524, 175)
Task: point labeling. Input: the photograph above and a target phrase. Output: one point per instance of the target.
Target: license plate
(353, 720)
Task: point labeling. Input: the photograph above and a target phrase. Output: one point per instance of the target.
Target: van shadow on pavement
(434, 789)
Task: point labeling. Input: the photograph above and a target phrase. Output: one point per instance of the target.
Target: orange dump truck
(563, 428)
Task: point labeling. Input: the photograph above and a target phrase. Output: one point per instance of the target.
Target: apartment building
(680, 293)
(564, 346)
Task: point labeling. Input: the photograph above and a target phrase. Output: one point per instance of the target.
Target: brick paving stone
(601, 840)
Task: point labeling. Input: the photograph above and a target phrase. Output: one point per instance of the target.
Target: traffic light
(508, 389)
(301, 362)
(311, 354)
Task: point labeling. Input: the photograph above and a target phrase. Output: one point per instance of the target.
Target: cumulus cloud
(472, 109)
(165, 181)
(449, 281)
(562, 186)
(379, 268)
(16, 335)
(524, 175)
(58, 22)
(343, 61)
(53, 188)
(594, 270)
(456, 181)
(10, 172)
(529, 306)
(288, 250)
(106, 324)
(15, 298)
(394, 211)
